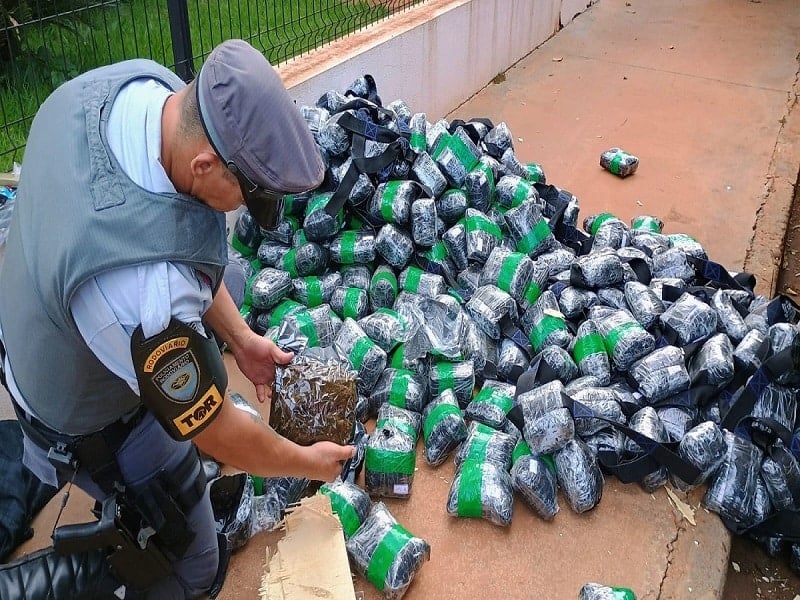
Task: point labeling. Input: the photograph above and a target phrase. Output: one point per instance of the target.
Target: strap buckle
(61, 455)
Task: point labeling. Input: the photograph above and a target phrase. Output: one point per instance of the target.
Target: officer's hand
(327, 460)
(257, 357)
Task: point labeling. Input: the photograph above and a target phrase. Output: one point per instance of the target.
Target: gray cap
(252, 121)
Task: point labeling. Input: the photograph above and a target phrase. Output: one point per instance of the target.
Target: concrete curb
(765, 252)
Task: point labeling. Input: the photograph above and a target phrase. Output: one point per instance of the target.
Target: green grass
(62, 47)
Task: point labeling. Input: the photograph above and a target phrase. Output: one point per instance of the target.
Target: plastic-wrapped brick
(512, 190)
(349, 302)
(486, 444)
(529, 229)
(619, 162)
(677, 420)
(423, 222)
(456, 376)
(401, 388)
(491, 404)
(731, 493)
(729, 319)
(603, 403)
(350, 247)
(643, 303)
(544, 323)
(534, 478)
(349, 502)
(415, 280)
(540, 400)
(451, 205)
(704, 447)
(268, 288)
(383, 288)
(625, 339)
(596, 270)
(392, 200)
(511, 361)
(549, 432)
(661, 373)
(598, 591)
(418, 124)
(672, 264)
(573, 301)
(647, 223)
(691, 319)
(579, 476)
(509, 271)
(301, 261)
(386, 327)
(443, 427)
(688, 245)
(395, 246)
(386, 553)
(318, 224)
(428, 174)
(247, 234)
(489, 306)
(390, 457)
(364, 355)
(479, 187)
(479, 348)
(481, 490)
(356, 276)
(315, 290)
(456, 155)
(482, 235)
(590, 354)
(713, 364)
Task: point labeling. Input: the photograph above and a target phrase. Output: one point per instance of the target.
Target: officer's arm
(243, 440)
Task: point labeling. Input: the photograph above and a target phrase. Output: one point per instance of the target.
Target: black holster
(46, 575)
(132, 559)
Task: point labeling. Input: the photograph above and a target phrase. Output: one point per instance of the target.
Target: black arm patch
(182, 378)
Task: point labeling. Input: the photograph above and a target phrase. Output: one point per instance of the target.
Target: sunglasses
(265, 206)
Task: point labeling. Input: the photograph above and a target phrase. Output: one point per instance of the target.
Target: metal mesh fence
(45, 42)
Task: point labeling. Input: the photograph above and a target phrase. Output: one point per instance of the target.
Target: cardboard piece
(310, 562)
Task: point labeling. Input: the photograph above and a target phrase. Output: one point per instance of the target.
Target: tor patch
(181, 378)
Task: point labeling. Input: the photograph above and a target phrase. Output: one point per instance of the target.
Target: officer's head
(255, 129)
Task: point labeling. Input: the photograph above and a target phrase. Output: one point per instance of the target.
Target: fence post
(181, 38)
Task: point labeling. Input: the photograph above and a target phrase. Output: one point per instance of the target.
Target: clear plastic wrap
(544, 324)
(677, 421)
(778, 404)
(512, 190)
(332, 137)
(272, 497)
(529, 229)
(647, 223)
(691, 319)
(481, 490)
(318, 224)
(540, 400)
(247, 235)
(349, 302)
(316, 290)
(549, 432)
(394, 245)
(307, 259)
(746, 353)
(729, 320)
(349, 247)
(418, 124)
(456, 376)
(713, 364)
(390, 459)
(513, 166)
(603, 403)
(383, 288)
(415, 280)
(392, 200)
(598, 591)
(401, 388)
(316, 324)
(573, 301)
(364, 355)
(535, 480)
(625, 339)
(660, 374)
(536, 173)
(443, 427)
(451, 205)
(485, 444)
(732, 491)
(428, 174)
(455, 239)
(268, 288)
(491, 404)
(349, 502)
(590, 354)
(560, 362)
(579, 476)
(509, 271)
(387, 328)
(479, 187)
(386, 553)
(619, 162)
(498, 140)
(688, 245)
(456, 155)
(607, 440)
(610, 234)
(489, 306)
(596, 270)
(781, 474)
(643, 303)
(672, 264)
(482, 235)
(479, 348)
(511, 361)
(423, 222)
(314, 399)
(648, 242)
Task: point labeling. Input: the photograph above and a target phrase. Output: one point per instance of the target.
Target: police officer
(114, 262)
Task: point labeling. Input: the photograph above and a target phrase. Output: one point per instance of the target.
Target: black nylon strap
(716, 273)
(3, 365)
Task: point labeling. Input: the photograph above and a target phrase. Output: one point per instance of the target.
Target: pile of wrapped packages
(537, 351)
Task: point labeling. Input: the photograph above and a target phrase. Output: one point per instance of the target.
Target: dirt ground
(752, 573)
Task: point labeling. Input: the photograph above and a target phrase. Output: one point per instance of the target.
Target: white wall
(434, 56)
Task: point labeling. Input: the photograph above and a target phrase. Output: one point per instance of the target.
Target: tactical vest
(76, 215)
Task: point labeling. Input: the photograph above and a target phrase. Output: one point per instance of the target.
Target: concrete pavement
(704, 92)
